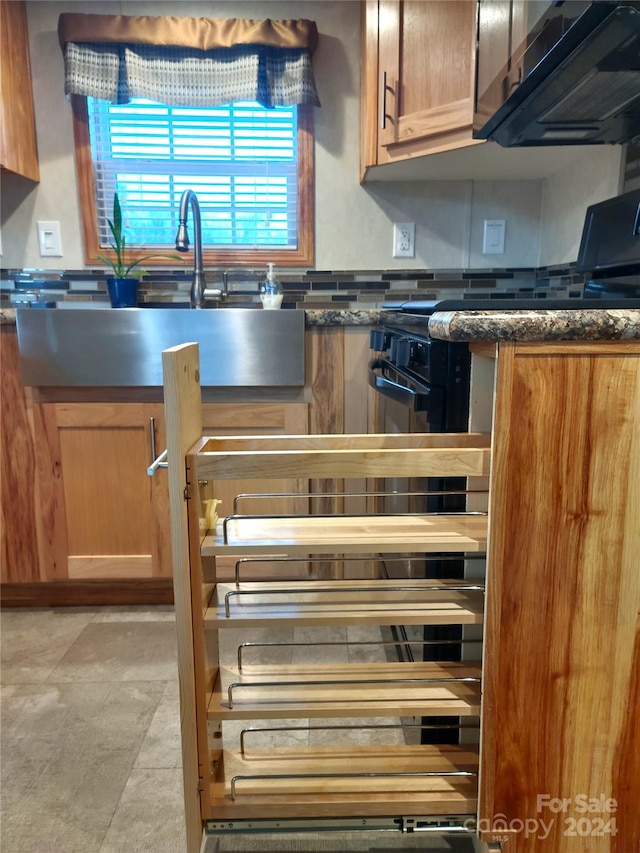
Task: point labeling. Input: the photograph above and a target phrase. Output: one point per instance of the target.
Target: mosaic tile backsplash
(313, 289)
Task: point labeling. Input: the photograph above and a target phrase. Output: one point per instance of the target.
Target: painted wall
(353, 222)
(595, 174)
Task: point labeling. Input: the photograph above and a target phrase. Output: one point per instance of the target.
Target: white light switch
(49, 239)
(493, 243)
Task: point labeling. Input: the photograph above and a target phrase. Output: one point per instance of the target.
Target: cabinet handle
(152, 438)
(383, 101)
(156, 461)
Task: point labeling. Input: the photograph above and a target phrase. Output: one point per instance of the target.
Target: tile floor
(90, 734)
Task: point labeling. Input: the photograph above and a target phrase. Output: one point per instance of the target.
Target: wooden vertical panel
(561, 696)
(326, 416)
(183, 417)
(356, 420)
(18, 520)
(18, 145)
(53, 544)
(369, 82)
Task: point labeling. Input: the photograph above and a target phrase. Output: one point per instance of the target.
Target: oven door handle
(418, 398)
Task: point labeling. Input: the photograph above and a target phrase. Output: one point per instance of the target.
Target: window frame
(303, 255)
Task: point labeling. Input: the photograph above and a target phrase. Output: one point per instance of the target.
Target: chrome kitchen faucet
(198, 285)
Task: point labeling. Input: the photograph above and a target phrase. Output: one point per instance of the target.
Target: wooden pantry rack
(248, 779)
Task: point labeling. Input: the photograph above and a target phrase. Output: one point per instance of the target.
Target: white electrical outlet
(404, 239)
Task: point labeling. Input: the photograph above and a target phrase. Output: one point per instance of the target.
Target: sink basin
(243, 347)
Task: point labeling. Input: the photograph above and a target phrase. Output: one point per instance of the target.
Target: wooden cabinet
(82, 520)
(418, 73)
(103, 516)
(561, 691)
(18, 146)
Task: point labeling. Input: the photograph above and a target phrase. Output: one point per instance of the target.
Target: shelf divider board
(349, 534)
(382, 602)
(324, 796)
(346, 690)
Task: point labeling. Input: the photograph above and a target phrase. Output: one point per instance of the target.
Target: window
(250, 167)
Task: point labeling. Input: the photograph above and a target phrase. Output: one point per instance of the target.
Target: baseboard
(87, 592)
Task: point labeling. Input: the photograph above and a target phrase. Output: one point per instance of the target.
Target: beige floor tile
(292, 733)
(133, 613)
(230, 639)
(162, 745)
(357, 733)
(71, 732)
(121, 651)
(150, 815)
(35, 641)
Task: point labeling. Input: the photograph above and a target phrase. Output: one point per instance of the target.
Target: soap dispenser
(271, 290)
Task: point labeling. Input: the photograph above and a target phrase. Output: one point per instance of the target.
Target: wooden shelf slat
(350, 690)
(378, 602)
(396, 461)
(346, 796)
(349, 534)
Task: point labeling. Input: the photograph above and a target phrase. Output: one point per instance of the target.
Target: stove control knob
(404, 352)
(378, 340)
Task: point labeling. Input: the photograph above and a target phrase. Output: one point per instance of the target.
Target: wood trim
(87, 593)
(369, 102)
(488, 349)
(99, 415)
(18, 141)
(302, 256)
(85, 178)
(110, 566)
(445, 118)
(53, 544)
(19, 514)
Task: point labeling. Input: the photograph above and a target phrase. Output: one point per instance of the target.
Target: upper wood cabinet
(418, 76)
(18, 148)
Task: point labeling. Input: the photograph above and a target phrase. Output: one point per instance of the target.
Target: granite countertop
(599, 324)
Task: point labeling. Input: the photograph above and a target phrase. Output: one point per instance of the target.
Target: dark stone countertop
(544, 325)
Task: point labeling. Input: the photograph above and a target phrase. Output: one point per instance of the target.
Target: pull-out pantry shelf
(345, 781)
(360, 534)
(346, 690)
(379, 602)
(353, 773)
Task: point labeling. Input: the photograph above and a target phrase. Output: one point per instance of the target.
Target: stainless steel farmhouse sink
(86, 347)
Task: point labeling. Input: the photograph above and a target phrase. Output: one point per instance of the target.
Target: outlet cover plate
(404, 238)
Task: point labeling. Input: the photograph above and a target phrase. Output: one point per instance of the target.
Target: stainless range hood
(574, 78)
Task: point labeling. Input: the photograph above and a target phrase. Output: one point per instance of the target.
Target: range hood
(571, 80)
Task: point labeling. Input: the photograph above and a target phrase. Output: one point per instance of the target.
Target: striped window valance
(195, 62)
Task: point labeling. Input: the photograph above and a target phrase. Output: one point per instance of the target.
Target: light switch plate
(493, 242)
(49, 239)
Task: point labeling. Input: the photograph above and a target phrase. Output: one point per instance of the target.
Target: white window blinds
(239, 159)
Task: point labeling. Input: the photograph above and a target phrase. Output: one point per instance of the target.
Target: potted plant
(123, 285)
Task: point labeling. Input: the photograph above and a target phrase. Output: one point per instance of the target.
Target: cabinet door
(92, 461)
(18, 150)
(425, 81)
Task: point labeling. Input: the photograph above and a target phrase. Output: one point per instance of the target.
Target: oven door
(407, 404)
